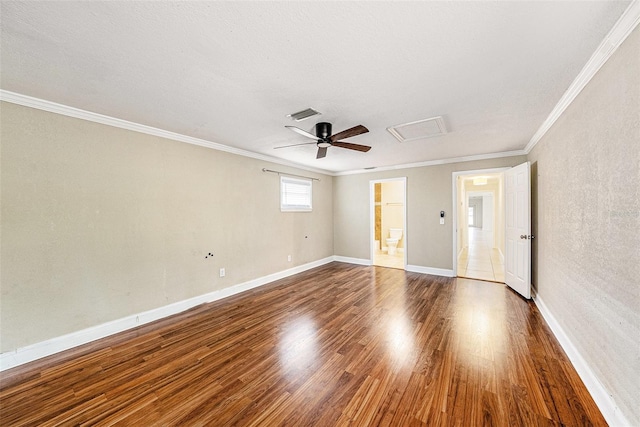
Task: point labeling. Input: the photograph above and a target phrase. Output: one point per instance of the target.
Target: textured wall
(586, 218)
(429, 190)
(99, 223)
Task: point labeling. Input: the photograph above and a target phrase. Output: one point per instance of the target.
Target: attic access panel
(427, 128)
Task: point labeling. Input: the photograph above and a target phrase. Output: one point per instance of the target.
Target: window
(295, 194)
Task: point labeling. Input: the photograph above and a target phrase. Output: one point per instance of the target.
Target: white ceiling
(230, 72)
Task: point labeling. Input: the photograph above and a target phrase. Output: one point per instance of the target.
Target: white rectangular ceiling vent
(304, 114)
(420, 129)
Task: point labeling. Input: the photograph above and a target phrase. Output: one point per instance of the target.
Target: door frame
(454, 214)
(372, 217)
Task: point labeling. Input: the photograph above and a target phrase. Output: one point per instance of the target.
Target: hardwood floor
(337, 345)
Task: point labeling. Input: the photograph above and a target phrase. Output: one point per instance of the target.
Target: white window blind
(295, 194)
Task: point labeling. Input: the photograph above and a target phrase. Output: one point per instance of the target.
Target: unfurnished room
(371, 213)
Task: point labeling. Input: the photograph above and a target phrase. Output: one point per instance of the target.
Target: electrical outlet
(288, 257)
(222, 272)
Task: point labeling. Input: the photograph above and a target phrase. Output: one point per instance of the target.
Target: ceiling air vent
(304, 114)
(420, 129)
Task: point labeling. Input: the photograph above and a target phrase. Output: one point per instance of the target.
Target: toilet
(395, 234)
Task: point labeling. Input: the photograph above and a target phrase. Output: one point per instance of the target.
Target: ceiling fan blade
(302, 132)
(358, 147)
(294, 145)
(356, 130)
(322, 152)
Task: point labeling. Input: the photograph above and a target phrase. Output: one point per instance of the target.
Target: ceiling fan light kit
(324, 138)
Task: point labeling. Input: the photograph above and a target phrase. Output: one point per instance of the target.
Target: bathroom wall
(99, 223)
(392, 203)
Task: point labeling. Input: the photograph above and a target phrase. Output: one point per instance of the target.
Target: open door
(518, 229)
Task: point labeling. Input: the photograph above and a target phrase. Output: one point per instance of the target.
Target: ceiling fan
(324, 139)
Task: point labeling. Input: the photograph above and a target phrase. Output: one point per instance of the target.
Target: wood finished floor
(337, 345)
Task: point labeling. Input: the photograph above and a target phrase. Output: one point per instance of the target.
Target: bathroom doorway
(388, 222)
(479, 221)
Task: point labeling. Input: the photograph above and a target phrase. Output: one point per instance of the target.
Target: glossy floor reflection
(338, 345)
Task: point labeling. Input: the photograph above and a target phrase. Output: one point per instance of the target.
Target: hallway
(480, 260)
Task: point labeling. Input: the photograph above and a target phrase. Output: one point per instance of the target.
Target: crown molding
(618, 34)
(435, 162)
(53, 107)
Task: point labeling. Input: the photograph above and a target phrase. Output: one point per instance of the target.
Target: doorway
(388, 222)
(479, 218)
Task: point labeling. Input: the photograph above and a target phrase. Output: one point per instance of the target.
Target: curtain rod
(289, 174)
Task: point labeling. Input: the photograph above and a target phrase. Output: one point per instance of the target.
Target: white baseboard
(604, 400)
(27, 354)
(430, 270)
(412, 268)
(348, 260)
(46, 348)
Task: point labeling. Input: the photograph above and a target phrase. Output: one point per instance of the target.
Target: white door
(518, 229)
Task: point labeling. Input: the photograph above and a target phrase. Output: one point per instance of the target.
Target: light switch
(441, 221)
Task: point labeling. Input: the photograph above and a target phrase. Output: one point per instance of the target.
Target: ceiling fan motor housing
(323, 130)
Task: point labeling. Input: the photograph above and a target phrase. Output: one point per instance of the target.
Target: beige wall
(429, 190)
(99, 223)
(586, 219)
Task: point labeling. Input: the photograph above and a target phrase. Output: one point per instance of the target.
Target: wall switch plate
(288, 257)
(222, 272)
(442, 221)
